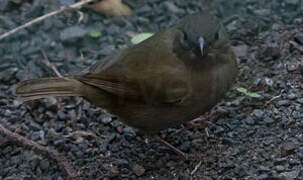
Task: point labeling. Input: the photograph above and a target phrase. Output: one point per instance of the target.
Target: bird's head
(201, 30)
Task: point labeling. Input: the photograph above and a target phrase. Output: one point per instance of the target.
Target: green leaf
(247, 93)
(253, 95)
(94, 33)
(141, 37)
(242, 90)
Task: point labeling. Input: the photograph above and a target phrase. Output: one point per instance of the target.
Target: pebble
(105, 118)
(283, 103)
(228, 141)
(172, 7)
(279, 168)
(292, 2)
(280, 161)
(268, 120)
(262, 12)
(258, 113)
(300, 100)
(34, 126)
(72, 34)
(299, 38)
(288, 148)
(240, 51)
(138, 169)
(292, 175)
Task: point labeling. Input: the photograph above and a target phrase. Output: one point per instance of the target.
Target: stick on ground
(50, 153)
(73, 6)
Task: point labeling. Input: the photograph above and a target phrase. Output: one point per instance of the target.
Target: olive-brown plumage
(163, 81)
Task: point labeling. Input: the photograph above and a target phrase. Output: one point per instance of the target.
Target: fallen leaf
(16, 1)
(140, 37)
(247, 93)
(111, 8)
(94, 33)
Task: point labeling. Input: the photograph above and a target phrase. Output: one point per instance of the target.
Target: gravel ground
(259, 138)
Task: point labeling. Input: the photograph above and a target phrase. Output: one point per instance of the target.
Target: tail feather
(47, 87)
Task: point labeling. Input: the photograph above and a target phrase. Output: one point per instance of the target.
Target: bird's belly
(152, 119)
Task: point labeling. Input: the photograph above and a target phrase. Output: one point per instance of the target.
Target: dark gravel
(258, 138)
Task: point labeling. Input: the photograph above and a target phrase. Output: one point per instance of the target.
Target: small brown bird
(170, 78)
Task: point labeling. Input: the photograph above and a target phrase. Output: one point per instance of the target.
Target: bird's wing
(144, 72)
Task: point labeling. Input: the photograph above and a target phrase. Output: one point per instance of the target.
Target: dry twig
(71, 7)
(50, 65)
(196, 168)
(50, 153)
(272, 99)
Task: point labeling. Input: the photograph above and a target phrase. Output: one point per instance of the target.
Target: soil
(259, 138)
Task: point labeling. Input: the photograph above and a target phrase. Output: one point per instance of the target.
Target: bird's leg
(202, 121)
(173, 148)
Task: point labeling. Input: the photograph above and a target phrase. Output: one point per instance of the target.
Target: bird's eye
(216, 35)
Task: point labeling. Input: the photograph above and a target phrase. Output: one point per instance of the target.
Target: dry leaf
(111, 8)
(16, 1)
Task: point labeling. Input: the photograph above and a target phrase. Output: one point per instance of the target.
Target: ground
(259, 138)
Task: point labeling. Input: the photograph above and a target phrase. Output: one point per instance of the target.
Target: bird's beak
(201, 43)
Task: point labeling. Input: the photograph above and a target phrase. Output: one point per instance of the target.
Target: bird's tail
(47, 87)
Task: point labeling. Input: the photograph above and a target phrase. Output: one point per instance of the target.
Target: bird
(174, 76)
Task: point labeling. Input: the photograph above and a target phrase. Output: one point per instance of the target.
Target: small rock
(62, 115)
(183, 176)
(44, 165)
(138, 169)
(240, 51)
(301, 67)
(258, 113)
(3, 141)
(292, 96)
(283, 103)
(231, 27)
(292, 2)
(268, 120)
(291, 67)
(218, 130)
(280, 161)
(3, 4)
(263, 169)
(107, 50)
(59, 142)
(262, 12)
(67, 2)
(280, 168)
(299, 38)
(144, 9)
(268, 81)
(128, 131)
(36, 136)
(276, 27)
(288, 148)
(185, 146)
(228, 141)
(72, 34)
(7, 113)
(105, 118)
(292, 175)
(171, 7)
(263, 177)
(198, 143)
(300, 100)
(34, 126)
